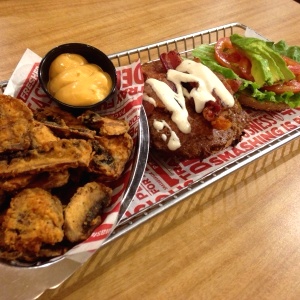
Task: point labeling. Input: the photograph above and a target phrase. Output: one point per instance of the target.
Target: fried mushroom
(104, 125)
(63, 123)
(15, 122)
(35, 217)
(53, 156)
(41, 134)
(110, 156)
(83, 213)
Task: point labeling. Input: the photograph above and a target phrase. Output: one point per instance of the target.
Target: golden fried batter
(15, 122)
(104, 125)
(44, 157)
(35, 217)
(52, 156)
(111, 155)
(55, 115)
(44, 180)
(63, 123)
(41, 134)
(5, 251)
(83, 213)
(15, 183)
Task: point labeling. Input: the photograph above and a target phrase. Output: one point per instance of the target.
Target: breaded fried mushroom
(83, 213)
(104, 125)
(41, 134)
(50, 157)
(44, 180)
(63, 123)
(34, 218)
(111, 153)
(16, 120)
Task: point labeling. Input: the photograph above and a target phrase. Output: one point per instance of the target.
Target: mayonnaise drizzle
(174, 142)
(208, 82)
(188, 71)
(174, 102)
(149, 99)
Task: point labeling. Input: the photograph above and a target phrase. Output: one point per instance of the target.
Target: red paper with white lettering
(163, 177)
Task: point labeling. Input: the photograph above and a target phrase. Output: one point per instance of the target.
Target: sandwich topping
(190, 111)
(206, 87)
(267, 71)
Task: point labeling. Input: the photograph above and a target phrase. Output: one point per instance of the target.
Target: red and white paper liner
(24, 85)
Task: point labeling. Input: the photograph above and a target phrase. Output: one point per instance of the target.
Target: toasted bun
(249, 101)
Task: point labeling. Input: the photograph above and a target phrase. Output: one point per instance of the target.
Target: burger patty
(204, 139)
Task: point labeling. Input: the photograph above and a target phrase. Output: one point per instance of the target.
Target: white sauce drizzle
(174, 142)
(187, 71)
(208, 82)
(158, 125)
(149, 99)
(174, 102)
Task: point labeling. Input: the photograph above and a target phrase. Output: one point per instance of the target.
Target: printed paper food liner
(162, 177)
(24, 85)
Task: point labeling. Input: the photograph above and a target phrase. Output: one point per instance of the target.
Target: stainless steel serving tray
(185, 45)
(38, 279)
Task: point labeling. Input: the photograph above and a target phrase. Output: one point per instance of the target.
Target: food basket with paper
(168, 180)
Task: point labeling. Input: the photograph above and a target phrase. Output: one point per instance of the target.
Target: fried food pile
(191, 111)
(55, 175)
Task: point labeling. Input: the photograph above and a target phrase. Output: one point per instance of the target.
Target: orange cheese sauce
(75, 81)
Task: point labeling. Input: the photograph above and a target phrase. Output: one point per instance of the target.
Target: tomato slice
(293, 65)
(229, 56)
(290, 86)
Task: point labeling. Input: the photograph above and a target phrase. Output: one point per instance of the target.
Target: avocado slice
(268, 67)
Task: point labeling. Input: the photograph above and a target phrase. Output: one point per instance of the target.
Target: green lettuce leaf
(282, 48)
(291, 99)
(206, 55)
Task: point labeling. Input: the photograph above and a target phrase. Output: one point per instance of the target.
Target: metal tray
(185, 44)
(36, 278)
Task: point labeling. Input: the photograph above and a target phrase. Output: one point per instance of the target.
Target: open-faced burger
(266, 75)
(191, 113)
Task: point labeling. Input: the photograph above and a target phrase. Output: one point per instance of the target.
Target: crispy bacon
(170, 60)
(212, 112)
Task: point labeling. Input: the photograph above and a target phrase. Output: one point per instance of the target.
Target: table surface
(238, 239)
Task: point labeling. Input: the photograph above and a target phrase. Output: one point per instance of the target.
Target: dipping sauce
(75, 81)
